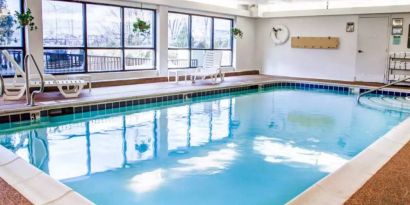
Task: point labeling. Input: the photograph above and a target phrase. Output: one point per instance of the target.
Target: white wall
(246, 47)
(336, 64)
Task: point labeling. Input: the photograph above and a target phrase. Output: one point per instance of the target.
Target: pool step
(401, 104)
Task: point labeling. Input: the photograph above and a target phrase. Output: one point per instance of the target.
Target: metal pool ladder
(381, 87)
(30, 100)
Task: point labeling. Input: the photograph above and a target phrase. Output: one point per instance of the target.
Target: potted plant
(237, 33)
(141, 26)
(25, 19)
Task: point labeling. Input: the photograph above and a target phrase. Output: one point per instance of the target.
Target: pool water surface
(251, 147)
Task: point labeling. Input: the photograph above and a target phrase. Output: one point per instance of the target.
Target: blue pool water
(252, 147)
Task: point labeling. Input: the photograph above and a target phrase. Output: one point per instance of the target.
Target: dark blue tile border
(308, 86)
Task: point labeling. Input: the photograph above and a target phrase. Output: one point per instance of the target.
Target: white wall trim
(195, 6)
(341, 11)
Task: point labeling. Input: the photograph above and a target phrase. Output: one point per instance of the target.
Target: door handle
(360, 51)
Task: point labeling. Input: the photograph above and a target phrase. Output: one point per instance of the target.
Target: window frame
(122, 46)
(23, 43)
(190, 48)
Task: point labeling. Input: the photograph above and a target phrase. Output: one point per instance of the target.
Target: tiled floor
(390, 185)
(9, 196)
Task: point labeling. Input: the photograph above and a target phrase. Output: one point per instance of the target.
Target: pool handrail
(381, 87)
(30, 100)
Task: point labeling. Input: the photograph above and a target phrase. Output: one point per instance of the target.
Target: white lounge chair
(211, 67)
(16, 90)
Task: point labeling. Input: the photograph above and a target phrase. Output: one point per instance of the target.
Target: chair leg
(71, 93)
(14, 95)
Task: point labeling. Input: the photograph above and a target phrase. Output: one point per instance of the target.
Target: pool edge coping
(35, 185)
(316, 192)
(338, 186)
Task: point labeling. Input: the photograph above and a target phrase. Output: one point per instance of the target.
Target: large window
(63, 37)
(11, 38)
(189, 36)
(87, 37)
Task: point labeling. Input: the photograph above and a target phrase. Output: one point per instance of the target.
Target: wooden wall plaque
(315, 42)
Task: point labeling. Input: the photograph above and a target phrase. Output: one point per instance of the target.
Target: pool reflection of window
(209, 163)
(276, 151)
(66, 131)
(17, 143)
(200, 123)
(220, 119)
(178, 127)
(72, 150)
(67, 152)
(106, 143)
(139, 136)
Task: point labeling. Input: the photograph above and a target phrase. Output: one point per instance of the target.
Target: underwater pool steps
(381, 87)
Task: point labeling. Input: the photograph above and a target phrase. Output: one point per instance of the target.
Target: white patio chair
(211, 67)
(16, 90)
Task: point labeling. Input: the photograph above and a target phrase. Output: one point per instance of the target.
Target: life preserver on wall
(279, 34)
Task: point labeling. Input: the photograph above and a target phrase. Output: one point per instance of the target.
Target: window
(11, 38)
(76, 40)
(189, 36)
(201, 32)
(63, 37)
(103, 26)
(178, 30)
(140, 47)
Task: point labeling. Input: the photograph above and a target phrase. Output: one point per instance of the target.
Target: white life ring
(279, 34)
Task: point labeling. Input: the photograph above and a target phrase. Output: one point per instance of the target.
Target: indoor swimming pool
(250, 147)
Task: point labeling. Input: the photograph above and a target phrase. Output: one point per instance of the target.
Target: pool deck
(388, 185)
(113, 93)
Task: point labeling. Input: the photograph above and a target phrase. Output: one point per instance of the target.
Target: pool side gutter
(36, 186)
(338, 187)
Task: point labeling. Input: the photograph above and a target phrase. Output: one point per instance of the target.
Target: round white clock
(279, 34)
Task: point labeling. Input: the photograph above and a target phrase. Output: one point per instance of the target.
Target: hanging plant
(25, 19)
(237, 33)
(140, 26)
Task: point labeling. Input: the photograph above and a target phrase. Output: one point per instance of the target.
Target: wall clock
(279, 34)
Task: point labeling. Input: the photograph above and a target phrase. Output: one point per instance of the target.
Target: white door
(372, 53)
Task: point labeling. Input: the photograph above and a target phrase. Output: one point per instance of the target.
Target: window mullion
(85, 38)
(190, 39)
(212, 33)
(123, 38)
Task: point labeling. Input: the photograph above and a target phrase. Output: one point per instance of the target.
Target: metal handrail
(381, 87)
(30, 101)
(2, 89)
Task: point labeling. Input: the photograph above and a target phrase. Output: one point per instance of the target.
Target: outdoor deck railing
(5, 66)
(56, 63)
